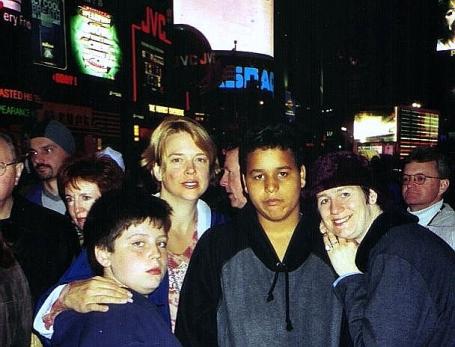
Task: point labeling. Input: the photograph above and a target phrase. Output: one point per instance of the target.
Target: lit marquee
(95, 42)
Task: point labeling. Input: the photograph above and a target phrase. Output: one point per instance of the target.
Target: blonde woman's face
(184, 170)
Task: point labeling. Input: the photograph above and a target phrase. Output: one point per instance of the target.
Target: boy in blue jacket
(126, 238)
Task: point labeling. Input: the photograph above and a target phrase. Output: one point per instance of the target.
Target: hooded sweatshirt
(238, 293)
(406, 293)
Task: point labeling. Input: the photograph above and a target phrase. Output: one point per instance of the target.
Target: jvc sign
(245, 74)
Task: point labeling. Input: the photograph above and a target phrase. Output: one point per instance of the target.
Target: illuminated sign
(95, 43)
(446, 23)
(195, 59)
(15, 17)
(151, 57)
(418, 127)
(14, 94)
(62, 78)
(153, 67)
(8, 110)
(166, 110)
(240, 25)
(373, 125)
(48, 33)
(15, 5)
(243, 75)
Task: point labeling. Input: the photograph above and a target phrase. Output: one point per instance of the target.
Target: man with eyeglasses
(43, 241)
(51, 143)
(425, 179)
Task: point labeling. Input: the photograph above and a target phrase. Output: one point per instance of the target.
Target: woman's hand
(94, 294)
(341, 252)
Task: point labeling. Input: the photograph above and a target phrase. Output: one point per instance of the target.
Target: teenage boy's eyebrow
(162, 234)
(275, 169)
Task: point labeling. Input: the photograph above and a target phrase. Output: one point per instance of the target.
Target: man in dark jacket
(51, 144)
(397, 280)
(43, 241)
(256, 281)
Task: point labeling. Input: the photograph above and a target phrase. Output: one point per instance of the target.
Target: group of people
(168, 270)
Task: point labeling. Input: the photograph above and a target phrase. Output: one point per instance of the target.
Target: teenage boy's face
(139, 260)
(273, 182)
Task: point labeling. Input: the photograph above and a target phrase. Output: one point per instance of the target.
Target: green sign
(95, 43)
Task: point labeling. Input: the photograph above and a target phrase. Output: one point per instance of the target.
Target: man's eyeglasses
(3, 166)
(418, 178)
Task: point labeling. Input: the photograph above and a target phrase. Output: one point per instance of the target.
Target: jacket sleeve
(196, 323)
(80, 269)
(388, 306)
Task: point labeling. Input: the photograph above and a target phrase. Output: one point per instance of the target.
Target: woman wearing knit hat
(397, 279)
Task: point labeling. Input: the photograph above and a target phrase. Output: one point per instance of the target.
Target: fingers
(332, 238)
(323, 228)
(327, 243)
(331, 241)
(97, 308)
(95, 294)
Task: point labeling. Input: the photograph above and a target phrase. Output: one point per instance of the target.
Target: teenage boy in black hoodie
(256, 281)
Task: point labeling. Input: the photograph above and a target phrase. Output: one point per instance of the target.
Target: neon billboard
(95, 43)
(149, 44)
(245, 74)
(48, 33)
(250, 23)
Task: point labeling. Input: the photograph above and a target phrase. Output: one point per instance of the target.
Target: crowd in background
(279, 237)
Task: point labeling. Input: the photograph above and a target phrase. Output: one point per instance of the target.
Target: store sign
(14, 94)
(95, 42)
(8, 110)
(71, 115)
(48, 33)
(61, 78)
(149, 41)
(243, 75)
(13, 14)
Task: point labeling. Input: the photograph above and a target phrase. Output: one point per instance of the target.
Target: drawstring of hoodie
(282, 268)
(270, 293)
(289, 326)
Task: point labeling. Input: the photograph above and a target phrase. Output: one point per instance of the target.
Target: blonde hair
(171, 125)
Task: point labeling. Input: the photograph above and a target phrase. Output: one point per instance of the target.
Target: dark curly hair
(102, 171)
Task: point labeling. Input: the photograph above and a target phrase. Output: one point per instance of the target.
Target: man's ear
(244, 183)
(372, 197)
(103, 256)
(19, 168)
(302, 176)
(157, 172)
(443, 185)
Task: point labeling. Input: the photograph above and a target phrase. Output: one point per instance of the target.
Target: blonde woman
(181, 157)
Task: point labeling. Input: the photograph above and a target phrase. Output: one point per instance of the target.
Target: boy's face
(273, 182)
(139, 260)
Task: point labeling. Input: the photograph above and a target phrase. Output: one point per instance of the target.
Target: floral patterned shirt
(177, 266)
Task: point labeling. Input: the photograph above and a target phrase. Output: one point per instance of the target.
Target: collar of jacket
(380, 227)
(297, 252)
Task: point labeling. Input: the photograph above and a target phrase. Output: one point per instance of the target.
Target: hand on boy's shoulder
(94, 294)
